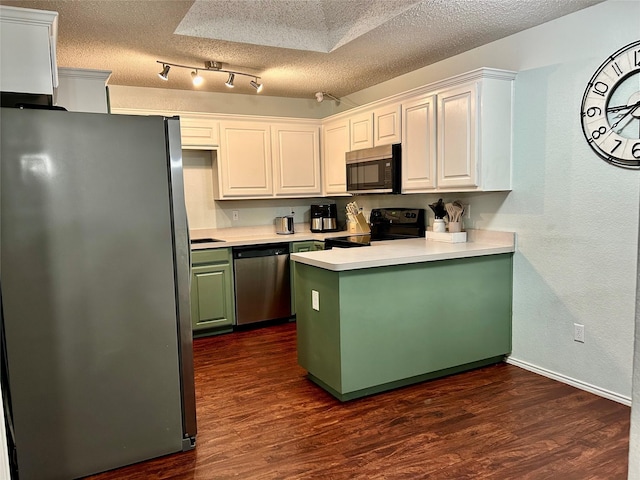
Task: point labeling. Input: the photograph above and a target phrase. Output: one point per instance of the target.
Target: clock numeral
(618, 143)
(596, 134)
(635, 151)
(616, 68)
(636, 57)
(600, 88)
(593, 111)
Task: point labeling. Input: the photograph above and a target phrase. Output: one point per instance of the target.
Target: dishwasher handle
(254, 251)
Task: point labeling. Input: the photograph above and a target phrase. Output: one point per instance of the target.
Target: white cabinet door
(199, 133)
(296, 160)
(335, 142)
(245, 160)
(457, 134)
(386, 125)
(28, 50)
(419, 145)
(82, 90)
(361, 131)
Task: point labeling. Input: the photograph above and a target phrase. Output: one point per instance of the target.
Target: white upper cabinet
(335, 144)
(380, 126)
(386, 125)
(274, 159)
(456, 134)
(82, 90)
(457, 131)
(419, 144)
(199, 133)
(474, 146)
(245, 160)
(361, 131)
(28, 51)
(296, 160)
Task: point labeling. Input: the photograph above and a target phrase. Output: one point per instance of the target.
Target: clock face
(610, 110)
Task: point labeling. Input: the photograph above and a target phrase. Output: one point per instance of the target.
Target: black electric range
(385, 224)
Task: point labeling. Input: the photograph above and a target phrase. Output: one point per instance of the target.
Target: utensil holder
(438, 225)
(455, 227)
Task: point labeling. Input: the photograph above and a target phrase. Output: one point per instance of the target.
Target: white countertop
(241, 236)
(401, 252)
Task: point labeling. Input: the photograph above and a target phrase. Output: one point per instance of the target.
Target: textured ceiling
(297, 47)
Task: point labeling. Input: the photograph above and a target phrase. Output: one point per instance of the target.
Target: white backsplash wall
(263, 212)
(205, 212)
(369, 202)
(198, 188)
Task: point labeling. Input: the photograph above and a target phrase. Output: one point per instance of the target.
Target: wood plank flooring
(260, 418)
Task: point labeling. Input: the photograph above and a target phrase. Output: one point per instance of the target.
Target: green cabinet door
(212, 298)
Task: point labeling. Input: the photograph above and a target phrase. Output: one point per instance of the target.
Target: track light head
(229, 82)
(256, 85)
(164, 74)
(320, 96)
(197, 79)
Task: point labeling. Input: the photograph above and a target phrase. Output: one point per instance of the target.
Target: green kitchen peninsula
(371, 319)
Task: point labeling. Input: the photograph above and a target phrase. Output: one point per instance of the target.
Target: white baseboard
(570, 381)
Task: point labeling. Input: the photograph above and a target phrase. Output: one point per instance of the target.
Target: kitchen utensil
(459, 209)
(352, 208)
(450, 211)
(438, 208)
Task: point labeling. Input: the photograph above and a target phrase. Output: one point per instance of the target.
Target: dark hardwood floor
(260, 418)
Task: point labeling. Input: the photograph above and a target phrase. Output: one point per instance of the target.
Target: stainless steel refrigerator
(94, 277)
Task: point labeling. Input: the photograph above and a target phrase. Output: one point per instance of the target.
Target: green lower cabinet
(212, 296)
(381, 328)
(299, 247)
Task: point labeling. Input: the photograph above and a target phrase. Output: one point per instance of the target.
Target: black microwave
(374, 170)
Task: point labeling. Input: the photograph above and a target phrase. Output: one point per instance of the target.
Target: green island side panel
(382, 327)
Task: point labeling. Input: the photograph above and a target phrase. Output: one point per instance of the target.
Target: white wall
(576, 217)
(195, 101)
(634, 438)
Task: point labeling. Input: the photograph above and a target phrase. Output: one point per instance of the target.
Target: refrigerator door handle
(182, 264)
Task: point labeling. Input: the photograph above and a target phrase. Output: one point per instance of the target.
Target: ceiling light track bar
(209, 66)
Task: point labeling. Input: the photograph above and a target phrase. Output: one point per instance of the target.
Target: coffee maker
(324, 218)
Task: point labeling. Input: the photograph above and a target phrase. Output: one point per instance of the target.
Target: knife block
(357, 223)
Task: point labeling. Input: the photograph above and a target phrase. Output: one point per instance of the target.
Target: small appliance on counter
(284, 225)
(324, 218)
(386, 224)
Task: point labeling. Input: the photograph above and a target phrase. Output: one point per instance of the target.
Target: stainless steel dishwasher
(263, 283)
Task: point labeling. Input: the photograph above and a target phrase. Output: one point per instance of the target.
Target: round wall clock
(610, 110)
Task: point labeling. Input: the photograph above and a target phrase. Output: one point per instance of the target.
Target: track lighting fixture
(164, 74)
(209, 66)
(256, 85)
(197, 79)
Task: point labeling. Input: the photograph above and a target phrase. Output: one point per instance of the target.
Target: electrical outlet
(235, 215)
(578, 332)
(467, 211)
(315, 300)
